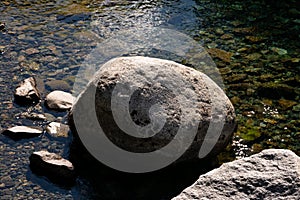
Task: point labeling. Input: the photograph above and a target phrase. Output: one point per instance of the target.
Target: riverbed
(255, 46)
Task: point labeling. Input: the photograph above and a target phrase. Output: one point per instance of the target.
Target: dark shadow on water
(108, 183)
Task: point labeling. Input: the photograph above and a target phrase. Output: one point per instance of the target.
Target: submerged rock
(2, 26)
(163, 80)
(54, 167)
(271, 174)
(59, 100)
(58, 85)
(22, 132)
(57, 129)
(27, 92)
(221, 54)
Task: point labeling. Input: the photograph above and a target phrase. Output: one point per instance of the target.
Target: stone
(22, 132)
(56, 129)
(59, 100)
(2, 27)
(58, 85)
(286, 104)
(254, 39)
(157, 72)
(34, 116)
(254, 56)
(31, 51)
(219, 31)
(221, 54)
(271, 174)
(27, 92)
(279, 51)
(226, 37)
(54, 167)
(245, 30)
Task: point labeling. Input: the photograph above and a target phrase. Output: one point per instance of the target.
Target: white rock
(60, 100)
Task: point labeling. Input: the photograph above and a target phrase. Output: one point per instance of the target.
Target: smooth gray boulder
(26, 92)
(59, 100)
(271, 174)
(53, 166)
(22, 132)
(157, 99)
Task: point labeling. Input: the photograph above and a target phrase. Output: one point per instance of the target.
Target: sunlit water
(51, 39)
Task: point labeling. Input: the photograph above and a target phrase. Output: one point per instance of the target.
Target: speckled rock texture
(177, 88)
(271, 174)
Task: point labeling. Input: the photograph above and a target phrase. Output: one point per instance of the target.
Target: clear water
(51, 39)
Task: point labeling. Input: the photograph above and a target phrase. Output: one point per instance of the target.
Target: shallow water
(50, 40)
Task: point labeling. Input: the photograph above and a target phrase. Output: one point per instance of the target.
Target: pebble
(31, 51)
(60, 100)
(57, 129)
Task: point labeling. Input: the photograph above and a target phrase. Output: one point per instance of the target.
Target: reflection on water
(257, 55)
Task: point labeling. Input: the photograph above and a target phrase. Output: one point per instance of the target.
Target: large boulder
(271, 174)
(166, 103)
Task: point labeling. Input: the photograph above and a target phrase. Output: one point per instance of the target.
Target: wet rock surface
(59, 100)
(27, 92)
(22, 132)
(271, 174)
(53, 166)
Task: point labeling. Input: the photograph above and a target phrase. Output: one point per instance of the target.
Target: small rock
(27, 93)
(57, 129)
(34, 66)
(254, 39)
(58, 85)
(245, 30)
(296, 108)
(2, 27)
(31, 51)
(243, 49)
(235, 100)
(253, 56)
(279, 51)
(219, 31)
(250, 91)
(34, 116)
(22, 132)
(60, 100)
(221, 54)
(21, 58)
(7, 181)
(226, 37)
(286, 104)
(54, 167)
(235, 78)
(49, 117)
